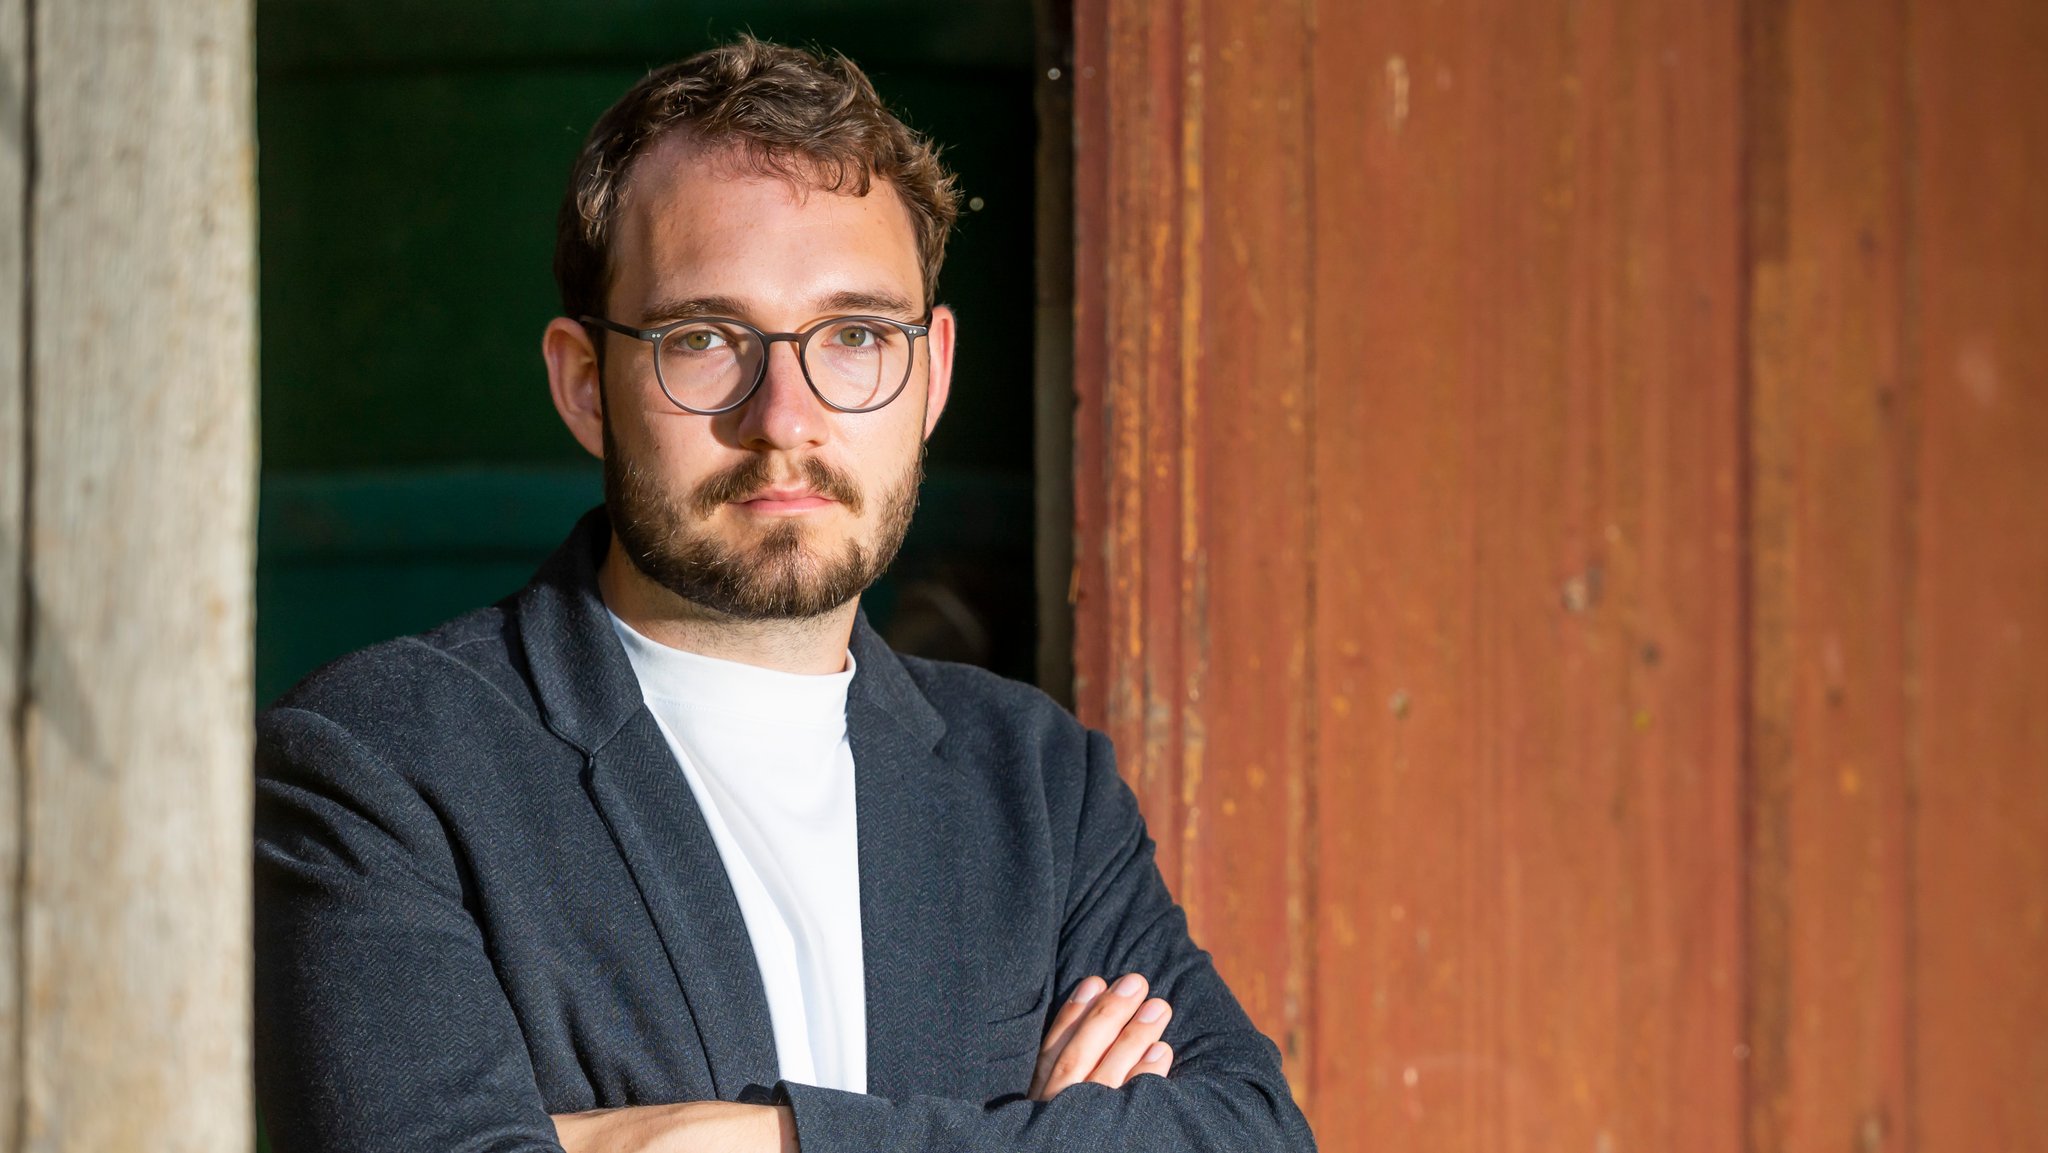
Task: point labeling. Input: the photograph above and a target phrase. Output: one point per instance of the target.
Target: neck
(814, 645)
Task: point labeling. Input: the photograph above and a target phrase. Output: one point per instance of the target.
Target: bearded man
(669, 850)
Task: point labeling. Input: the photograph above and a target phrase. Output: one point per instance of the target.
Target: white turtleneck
(767, 756)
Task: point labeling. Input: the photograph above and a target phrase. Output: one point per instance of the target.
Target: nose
(783, 413)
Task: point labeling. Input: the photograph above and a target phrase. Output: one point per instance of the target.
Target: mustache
(755, 473)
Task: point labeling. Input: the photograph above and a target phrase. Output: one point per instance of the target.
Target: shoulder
(1016, 733)
(973, 698)
(951, 686)
(474, 654)
(413, 692)
(1038, 765)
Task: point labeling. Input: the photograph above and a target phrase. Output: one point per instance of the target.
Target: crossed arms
(364, 914)
(1097, 1039)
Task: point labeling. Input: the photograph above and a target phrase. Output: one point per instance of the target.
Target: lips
(753, 484)
(785, 500)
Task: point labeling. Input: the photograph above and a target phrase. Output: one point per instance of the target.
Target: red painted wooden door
(1562, 549)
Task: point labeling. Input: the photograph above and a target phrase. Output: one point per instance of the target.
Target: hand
(696, 1126)
(1105, 1035)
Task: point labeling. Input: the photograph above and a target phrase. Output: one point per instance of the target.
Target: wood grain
(1205, 512)
(1528, 582)
(1468, 599)
(1592, 664)
(13, 509)
(142, 371)
(1247, 509)
(1978, 650)
(1832, 425)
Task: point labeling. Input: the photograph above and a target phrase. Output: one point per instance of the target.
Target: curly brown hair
(812, 120)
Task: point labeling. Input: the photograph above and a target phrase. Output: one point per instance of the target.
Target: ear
(574, 382)
(939, 382)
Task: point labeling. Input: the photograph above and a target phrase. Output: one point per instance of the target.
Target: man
(669, 850)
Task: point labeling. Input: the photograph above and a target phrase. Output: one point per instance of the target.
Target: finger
(1100, 1025)
(1066, 1047)
(1062, 1029)
(1132, 1044)
(1156, 1061)
(1069, 1016)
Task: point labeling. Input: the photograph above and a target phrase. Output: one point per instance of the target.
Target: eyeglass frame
(802, 340)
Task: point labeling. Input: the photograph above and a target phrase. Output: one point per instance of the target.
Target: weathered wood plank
(1145, 668)
(1678, 553)
(142, 367)
(1194, 350)
(1831, 427)
(1403, 984)
(1978, 651)
(1245, 506)
(1127, 222)
(1528, 576)
(13, 507)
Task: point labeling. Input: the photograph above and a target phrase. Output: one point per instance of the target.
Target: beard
(780, 576)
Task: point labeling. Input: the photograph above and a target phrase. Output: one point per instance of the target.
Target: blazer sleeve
(417, 1048)
(1226, 1093)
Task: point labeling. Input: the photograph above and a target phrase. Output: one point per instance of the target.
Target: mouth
(755, 487)
(785, 501)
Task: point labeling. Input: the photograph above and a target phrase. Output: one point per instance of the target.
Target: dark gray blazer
(485, 893)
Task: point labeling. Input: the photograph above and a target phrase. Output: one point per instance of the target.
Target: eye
(700, 339)
(856, 336)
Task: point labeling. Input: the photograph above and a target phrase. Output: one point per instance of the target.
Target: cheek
(675, 447)
(891, 452)
(627, 432)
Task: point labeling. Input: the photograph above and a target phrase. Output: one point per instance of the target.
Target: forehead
(694, 220)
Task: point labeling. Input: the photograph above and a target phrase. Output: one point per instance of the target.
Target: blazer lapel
(661, 832)
(590, 698)
(911, 856)
(909, 859)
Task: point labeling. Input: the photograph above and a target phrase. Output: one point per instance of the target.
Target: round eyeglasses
(712, 364)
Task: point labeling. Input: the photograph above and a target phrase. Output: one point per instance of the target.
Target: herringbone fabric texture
(485, 894)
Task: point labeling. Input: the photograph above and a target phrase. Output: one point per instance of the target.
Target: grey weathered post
(128, 435)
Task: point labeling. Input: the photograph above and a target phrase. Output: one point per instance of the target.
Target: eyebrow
(682, 308)
(883, 303)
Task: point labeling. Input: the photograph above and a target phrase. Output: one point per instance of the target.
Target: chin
(781, 573)
(749, 566)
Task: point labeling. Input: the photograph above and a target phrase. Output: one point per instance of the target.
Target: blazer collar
(581, 675)
(882, 688)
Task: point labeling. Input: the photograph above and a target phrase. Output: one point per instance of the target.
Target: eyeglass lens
(853, 362)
